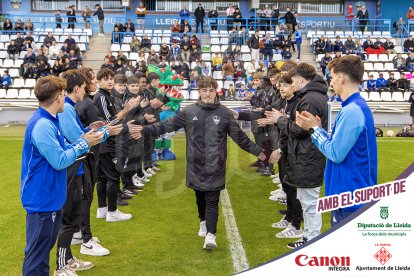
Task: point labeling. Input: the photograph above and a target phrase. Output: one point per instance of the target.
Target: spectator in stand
(75, 60)
(337, 55)
(378, 48)
(110, 57)
(199, 15)
(70, 41)
(237, 18)
(278, 45)
(26, 71)
(212, 15)
(228, 71)
(402, 83)
(409, 44)
(7, 25)
(185, 69)
(87, 17)
(41, 56)
(185, 41)
(116, 37)
(268, 48)
(349, 16)
(43, 69)
(29, 58)
(253, 44)
(176, 28)
(19, 40)
(185, 27)
(185, 53)
(298, 40)
(290, 20)
(287, 55)
(250, 69)
(49, 39)
(129, 27)
(13, 50)
(195, 41)
(389, 46)
(363, 16)
(119, 26)
(29, 36)
(53, 50)
(371, 83)
(135, 44)
(5, 81)
(381, 83)
(141, 67)
(184, 15)
(392, 83)
(368, 45)
(410, 62)
(281, 29)
(141, 12)
(146, 44)
(400, 26)
(121, 57)
(205, 69)
(337, 45)
(217, 62)
(18, 26)
(165, 51)
(324, 62)
(275, 15)
(58, 19)
(321, 46)
(175, 52)
(101, 17)
(233, 36)
(195, 53)
(28, 26)
(142, 56)
(349, 47)
(153, 58)
(107, 64)
(243, 36)
(410, 13)
(400, 63)
(265, 15)
(229, 12)
(71, 14)
(240, 71)
(358, 48)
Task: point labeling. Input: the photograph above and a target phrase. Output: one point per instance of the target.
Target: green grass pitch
(161, 238)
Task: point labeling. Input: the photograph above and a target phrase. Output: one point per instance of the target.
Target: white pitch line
(236, 246)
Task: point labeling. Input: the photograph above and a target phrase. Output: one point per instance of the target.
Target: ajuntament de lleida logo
(384, 212)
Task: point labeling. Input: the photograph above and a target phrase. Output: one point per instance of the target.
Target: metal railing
(343, 24)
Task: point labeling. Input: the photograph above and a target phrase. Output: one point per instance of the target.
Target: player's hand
(274, 157)
(149, 118)
(93, 137)
(144, 103)
(114, 129)
(306, 120)
(96, 125)
(273, 115)
(156, 103)
(264, 121)
(262, 156)
(134, 130)
(132, 103)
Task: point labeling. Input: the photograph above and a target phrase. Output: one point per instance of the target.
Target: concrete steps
(97, 50)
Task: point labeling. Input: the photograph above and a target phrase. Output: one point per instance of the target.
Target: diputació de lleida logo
(384, 212)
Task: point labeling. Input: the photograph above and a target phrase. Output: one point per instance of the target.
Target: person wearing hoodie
(351, 149)
(305, 164)
(207, 124)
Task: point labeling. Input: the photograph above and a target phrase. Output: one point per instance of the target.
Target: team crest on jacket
(216, 119)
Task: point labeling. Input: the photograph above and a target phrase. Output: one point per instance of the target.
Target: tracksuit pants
(71, 216)
(41, 234)
(207, 204)
(108, 181)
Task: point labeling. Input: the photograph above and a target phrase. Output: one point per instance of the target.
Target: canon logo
(303, 260)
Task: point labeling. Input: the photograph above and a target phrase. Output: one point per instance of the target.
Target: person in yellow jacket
(141, 11)
(217, 62)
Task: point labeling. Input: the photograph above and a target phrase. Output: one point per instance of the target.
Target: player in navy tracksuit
(45, 158)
